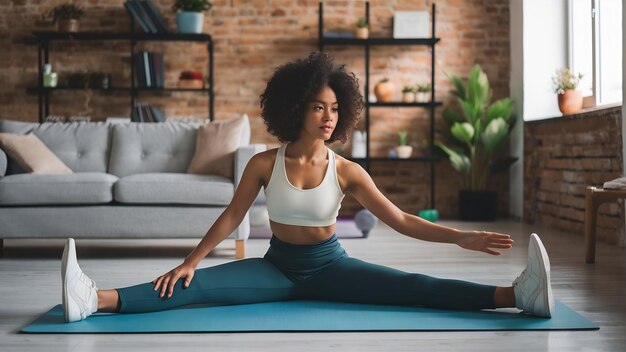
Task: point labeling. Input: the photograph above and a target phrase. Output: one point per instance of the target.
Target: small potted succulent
(190, 14)
(384, 90)
(565, 83)
(362, 29)
(190, 79)
(403, 149)
(423, 93)
(408, 94)
(66, 17)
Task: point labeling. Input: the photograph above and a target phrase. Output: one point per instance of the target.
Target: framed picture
(411, 24)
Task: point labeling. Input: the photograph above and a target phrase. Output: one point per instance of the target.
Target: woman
(307, 104)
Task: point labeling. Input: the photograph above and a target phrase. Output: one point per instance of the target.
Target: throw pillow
(216, 143)
(31, 154)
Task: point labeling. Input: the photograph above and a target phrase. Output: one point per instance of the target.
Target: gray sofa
(129, 181)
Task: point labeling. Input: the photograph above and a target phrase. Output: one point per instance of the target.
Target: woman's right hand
(165, 283)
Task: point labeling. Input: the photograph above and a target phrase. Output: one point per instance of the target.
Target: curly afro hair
(295, 84)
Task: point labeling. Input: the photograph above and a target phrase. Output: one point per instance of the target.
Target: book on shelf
(154, 15)
(147, 113)
(149, 70)
(147, 15)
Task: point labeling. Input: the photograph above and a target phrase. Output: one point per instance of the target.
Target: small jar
(49, 78)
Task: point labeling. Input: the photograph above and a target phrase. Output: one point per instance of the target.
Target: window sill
(594, 111)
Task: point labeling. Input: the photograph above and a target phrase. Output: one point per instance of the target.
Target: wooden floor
(30, 285)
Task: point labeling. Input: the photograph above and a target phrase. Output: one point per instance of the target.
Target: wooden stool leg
(240, 249)
(591, 213)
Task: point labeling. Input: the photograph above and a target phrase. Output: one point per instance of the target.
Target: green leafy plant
(408, 89)
(361, 23)
(403, 137)
(564, 79)
(424, 88)
(67, 11)
(191, 5)
(479, 129)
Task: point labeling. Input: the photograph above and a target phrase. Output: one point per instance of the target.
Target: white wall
(622, 240)
(516, 87)
(538, 30)
(544, 51)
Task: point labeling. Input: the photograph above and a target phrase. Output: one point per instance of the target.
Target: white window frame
(590, 98)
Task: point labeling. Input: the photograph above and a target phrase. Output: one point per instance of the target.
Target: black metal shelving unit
(44, 38)
(367, 44)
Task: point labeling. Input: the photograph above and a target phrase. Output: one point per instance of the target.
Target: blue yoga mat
(306, 316)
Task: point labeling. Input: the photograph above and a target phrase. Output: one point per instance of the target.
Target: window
(595, 48)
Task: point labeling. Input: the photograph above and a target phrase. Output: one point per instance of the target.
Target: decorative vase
(570, 101)
(189, 22)
(478, 205)
(68, 25)
(361, 33)
(358, 144)
(404, 151)
(384, 91)
(408, 97)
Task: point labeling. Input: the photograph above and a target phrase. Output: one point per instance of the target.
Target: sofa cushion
(151, 147)
(82, 146)
(31, 154)
(174, 188)
(38, 189)
(216, 144)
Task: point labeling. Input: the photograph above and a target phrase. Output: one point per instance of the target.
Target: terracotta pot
(384, 91)
(408, 97)
(361, 33)
(570, 102)
(404, 151)
(68, 25)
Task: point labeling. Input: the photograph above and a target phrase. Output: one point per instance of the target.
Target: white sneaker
(80, 296)
(533, 292)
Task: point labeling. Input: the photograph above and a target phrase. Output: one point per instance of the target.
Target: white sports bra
(287, 204)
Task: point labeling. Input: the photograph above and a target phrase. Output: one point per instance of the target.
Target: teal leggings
(321, 271)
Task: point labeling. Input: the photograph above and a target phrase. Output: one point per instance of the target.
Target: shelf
(325, 39)
(49, 89)
(400, 104)
(387, 159)
(377, 41)
(182, 37)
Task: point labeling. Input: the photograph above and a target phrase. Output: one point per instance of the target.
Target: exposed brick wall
(252, 37)
(564, 155)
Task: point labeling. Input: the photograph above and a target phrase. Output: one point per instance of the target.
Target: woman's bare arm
(245, 194)
(359, 184)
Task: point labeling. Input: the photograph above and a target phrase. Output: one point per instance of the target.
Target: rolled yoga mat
(306, 316)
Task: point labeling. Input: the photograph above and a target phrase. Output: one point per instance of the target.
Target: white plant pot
(404, 151)
(408, 97)
(422, 97)
(189, 22)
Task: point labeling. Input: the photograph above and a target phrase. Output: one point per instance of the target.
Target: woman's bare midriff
(301, 234)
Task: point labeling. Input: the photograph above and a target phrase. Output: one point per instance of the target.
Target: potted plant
(408, 94)
(66, 17)
(479, 131)
(190, 14)
(423, 93)
(565, 84)
(403, 150)
(384, 90)
(362, 29)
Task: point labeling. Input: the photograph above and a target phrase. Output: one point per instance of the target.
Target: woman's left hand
(484, 241)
